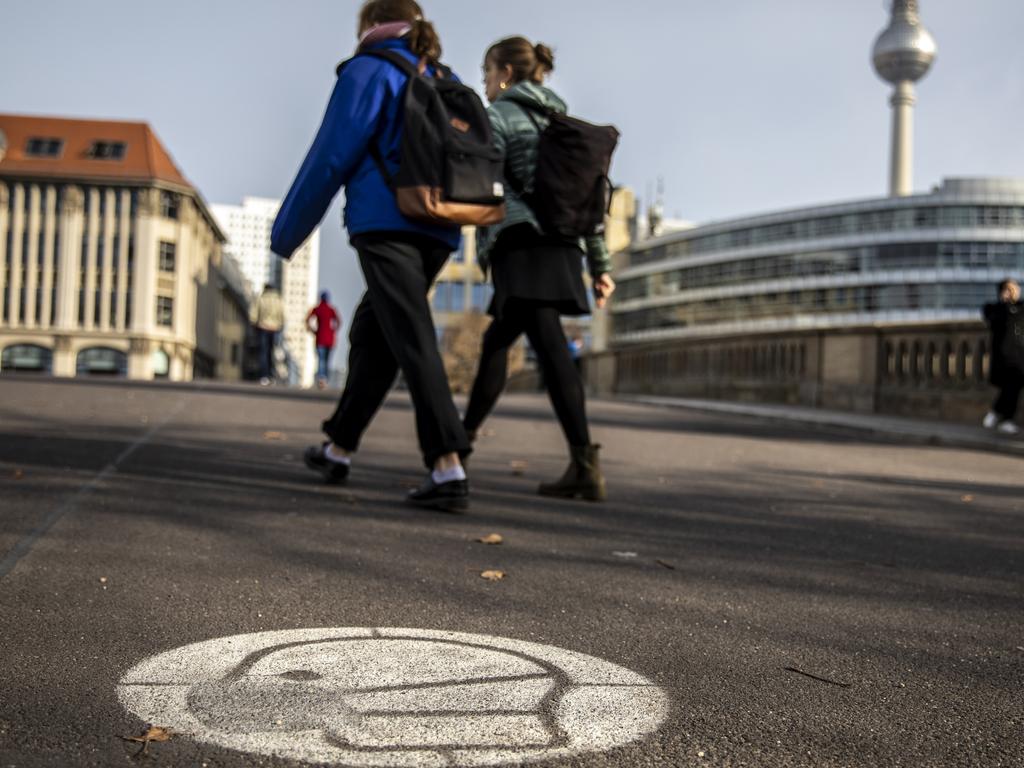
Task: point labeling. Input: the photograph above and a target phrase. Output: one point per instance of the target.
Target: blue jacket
(365, 107)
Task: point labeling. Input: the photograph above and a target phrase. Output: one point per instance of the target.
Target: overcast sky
(743, 106)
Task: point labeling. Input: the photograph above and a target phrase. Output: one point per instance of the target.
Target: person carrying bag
(411, 145)
(556, 171)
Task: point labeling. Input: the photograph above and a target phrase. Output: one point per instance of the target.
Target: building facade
(826, 305)
(248, 228)
(108, 256)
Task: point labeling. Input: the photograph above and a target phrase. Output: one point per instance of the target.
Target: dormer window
(44, 146)
(107, 150)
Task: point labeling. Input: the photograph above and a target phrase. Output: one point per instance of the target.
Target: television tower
(902, 55)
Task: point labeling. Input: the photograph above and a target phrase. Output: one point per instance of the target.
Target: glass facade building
(924, 258)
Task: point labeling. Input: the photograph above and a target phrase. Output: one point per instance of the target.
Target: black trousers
(543, 328)
(392, 329)
(1010, 386)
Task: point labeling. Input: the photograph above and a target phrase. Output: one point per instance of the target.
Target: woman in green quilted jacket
(537, 277)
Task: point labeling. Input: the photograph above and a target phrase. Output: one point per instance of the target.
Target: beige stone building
(110, 261)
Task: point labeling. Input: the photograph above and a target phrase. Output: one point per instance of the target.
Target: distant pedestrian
(267, 315)
(1005, 319)
(576, 350)
(537, 275)
(360, 146)
(323, 321)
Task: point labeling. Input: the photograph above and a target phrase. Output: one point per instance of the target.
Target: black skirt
(533, 267)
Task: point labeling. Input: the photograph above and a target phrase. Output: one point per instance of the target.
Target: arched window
(101, 361)
(932, 362)
(161, 364)
(890, 361)
(26, 357)
(964, 361)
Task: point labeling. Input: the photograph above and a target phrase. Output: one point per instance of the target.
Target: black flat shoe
(452, 496)
(333, 472)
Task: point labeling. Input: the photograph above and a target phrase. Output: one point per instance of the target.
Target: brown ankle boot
(583, 478)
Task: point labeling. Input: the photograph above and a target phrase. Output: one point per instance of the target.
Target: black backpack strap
(410, 69)
(530, 110)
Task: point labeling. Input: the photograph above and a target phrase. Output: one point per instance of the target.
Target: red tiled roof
(145, 158)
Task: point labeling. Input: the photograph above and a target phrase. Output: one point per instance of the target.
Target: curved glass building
(893, 261)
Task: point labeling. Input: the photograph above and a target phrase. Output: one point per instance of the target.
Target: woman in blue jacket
(392, 327)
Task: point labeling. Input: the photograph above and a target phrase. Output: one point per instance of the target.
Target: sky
(742, 107)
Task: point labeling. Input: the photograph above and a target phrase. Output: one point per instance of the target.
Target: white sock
(440, 476)
(334, 456)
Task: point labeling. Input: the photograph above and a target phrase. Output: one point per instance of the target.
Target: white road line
(25, 544)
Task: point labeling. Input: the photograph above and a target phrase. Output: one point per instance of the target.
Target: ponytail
(424, 41)
(423, 38)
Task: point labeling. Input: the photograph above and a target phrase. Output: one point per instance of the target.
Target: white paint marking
(393, 697)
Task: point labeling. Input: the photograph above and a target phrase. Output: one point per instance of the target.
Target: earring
(503, 86)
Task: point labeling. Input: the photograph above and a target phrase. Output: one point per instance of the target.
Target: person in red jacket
(323, 322)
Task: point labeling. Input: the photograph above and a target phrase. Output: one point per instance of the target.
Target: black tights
(1009, 395)
(543, 328)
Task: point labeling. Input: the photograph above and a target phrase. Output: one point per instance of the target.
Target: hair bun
(545, 57)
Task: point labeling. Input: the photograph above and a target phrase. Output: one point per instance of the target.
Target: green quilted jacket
(516, 138)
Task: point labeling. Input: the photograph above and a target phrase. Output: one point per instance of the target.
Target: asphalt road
(801, 598)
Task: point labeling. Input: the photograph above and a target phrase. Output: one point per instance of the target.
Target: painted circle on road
(393, 697)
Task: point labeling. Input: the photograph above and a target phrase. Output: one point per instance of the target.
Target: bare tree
(460, 350)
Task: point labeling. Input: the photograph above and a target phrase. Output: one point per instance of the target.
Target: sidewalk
(913, 430)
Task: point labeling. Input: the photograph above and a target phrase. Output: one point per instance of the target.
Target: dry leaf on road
(273, 436)
(518, 467)
(493, 575)
(967, 499)
(153, 733)
(18, 474)
(494, 538)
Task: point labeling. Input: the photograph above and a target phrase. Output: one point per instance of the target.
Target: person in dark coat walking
(537, 277)
(1005, 319)
(392, 328)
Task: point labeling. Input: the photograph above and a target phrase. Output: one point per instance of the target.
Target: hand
(604, 287)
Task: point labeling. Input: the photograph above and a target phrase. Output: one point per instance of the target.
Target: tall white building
(247, 227)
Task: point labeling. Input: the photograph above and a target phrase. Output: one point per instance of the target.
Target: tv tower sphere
(905, 50)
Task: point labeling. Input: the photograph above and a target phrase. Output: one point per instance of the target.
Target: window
(442, 297)
(458, 298)
(26, 357)
(164, 311)
(107, 150)
(101, 361)
(167, 256)
(44, 147)
(482, 293)
(169, 203)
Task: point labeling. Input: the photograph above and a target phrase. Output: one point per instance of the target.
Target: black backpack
(571, 189)
(449, 172)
